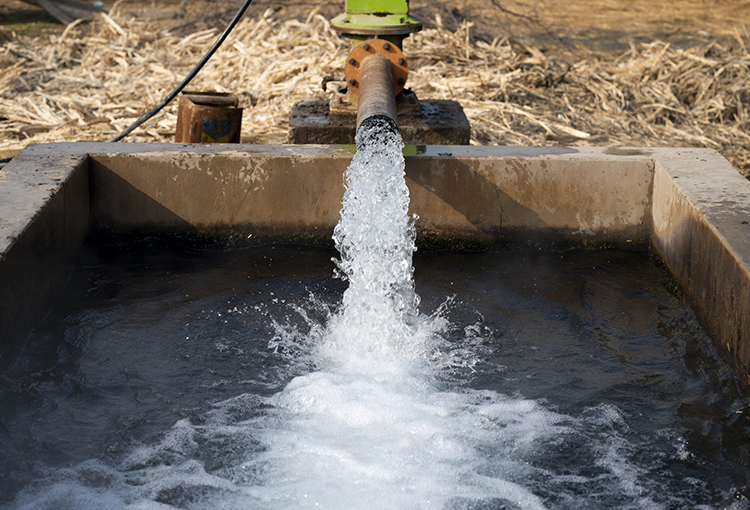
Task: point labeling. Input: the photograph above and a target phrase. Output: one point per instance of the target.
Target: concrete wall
(272, 194)
(690, 203)
(460, 194)
(701, 228)
(541, 199)
(44, 220)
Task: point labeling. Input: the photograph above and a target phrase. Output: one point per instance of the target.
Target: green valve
(376, 17)
(373, 6)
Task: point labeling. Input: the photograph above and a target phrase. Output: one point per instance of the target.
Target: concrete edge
(701, 229)
(44, 220)
(346, 151)
(24, 193)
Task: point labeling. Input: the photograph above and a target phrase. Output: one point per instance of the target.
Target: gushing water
(375, 238)
(370, 428)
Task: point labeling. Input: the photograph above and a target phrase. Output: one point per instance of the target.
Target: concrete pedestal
(431, 122)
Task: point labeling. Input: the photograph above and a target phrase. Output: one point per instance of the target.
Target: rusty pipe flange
(368, 48)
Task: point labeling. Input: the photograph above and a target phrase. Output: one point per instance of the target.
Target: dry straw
(89, 85)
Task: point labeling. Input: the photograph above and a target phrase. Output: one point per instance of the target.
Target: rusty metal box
(208, 117)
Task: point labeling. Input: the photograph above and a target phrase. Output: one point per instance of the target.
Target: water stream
(511, 392)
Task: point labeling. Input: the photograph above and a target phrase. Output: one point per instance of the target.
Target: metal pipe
(376, 94)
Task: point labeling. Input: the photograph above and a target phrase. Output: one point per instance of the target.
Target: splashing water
(370, 428)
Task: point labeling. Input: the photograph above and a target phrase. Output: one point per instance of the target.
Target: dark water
(150, 333)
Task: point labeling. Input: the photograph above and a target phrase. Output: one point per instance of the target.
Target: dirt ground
(606, 26)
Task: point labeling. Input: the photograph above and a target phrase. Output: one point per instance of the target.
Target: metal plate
(372, 24)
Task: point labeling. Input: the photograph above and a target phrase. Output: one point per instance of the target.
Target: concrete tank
(689, 205)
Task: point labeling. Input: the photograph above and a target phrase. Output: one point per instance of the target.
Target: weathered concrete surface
(544, 198)
(274, 195)
(441, 122)
(44, 220)
(701, 228)
(540, 200)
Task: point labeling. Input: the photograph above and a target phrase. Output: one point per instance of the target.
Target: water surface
(568, 380)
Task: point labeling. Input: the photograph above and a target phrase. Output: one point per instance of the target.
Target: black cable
(187, 78)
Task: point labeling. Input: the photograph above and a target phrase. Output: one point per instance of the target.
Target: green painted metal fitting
(376, 17)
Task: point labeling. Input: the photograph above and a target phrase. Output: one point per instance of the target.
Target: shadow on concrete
(483, 204)
(118, 207)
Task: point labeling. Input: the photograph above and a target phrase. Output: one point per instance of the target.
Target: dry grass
(652, 95)
(76, 87)
(91, 87)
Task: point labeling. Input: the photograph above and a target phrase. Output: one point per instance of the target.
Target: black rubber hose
(187, 78)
